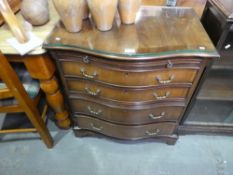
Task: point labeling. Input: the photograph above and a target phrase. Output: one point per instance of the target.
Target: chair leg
(34, 116)
(40, 126)
(38, 122)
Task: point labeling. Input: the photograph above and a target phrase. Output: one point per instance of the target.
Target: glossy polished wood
(129, 77)
(126, 132)
(170, 36)
(134, 115)
(112, 78)
(127, 94)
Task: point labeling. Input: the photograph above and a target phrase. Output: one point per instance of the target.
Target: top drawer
(131, 73)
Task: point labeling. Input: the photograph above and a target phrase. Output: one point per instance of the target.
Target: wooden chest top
(158, 32)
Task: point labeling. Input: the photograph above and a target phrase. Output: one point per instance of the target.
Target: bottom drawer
(125, 132)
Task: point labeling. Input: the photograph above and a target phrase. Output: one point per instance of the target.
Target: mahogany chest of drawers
(135, 81)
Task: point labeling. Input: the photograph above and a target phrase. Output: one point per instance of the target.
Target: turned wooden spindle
(42, 68)
(56, 101)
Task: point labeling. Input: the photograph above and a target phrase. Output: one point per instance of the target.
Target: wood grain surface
(134, 115)
(158, 32)
(126, 132)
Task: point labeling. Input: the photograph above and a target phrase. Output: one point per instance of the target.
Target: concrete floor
(192, 155)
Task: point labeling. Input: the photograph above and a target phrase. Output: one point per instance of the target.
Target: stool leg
(40, 126)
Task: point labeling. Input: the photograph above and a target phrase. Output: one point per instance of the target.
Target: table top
(158, 32)
(40, 31)
(225, 6)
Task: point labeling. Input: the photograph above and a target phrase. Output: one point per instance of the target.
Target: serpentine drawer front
(133, 115)
(99, 90)
(134, 81)
(134, 77)
(125, 132)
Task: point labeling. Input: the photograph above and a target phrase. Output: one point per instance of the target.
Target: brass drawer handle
(171, 78)
(96, 128)
(83, 72)
(169, 64)
(86, 59)
(94, 112)
(90, 92)
(162, 97)
(153, 133)
(153, 117)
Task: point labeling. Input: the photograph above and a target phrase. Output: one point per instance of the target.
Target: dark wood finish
(127, 77)
(126, 94)
(135, 115)
(169, 139)
(26, 104)
(111, 78)
(126, 132)
(140, 36)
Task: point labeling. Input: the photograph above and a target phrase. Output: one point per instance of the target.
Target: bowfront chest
(134, 81)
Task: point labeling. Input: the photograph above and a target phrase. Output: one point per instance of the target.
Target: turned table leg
(41, 67)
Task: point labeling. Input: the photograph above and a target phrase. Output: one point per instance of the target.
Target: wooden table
(40, 66)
